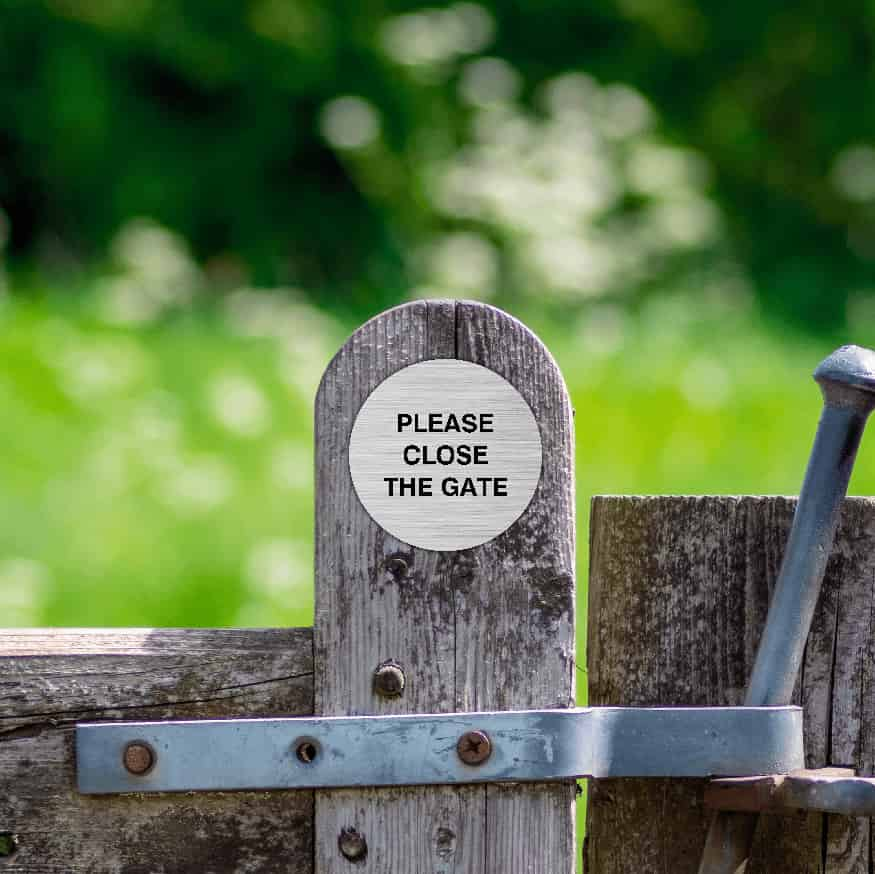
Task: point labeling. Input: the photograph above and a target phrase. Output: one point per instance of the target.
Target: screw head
(396, 566)
(138, 758)
(474, 747)
(352, 845)
(389, 680)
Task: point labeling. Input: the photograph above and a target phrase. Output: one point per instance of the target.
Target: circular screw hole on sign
(445, 455)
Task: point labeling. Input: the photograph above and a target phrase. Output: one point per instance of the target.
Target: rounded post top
(847, 373)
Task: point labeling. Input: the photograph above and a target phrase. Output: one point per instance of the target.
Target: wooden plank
(679, 590)
(378, 599)
(848, 839)
(50, 679)
(515, 615)
(472, 630)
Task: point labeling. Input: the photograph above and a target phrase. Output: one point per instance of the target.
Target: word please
(445, 423)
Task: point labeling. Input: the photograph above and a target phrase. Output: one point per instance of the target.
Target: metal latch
(520, 746)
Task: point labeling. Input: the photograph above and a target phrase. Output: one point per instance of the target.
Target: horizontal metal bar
(827, 790)
(535, 745)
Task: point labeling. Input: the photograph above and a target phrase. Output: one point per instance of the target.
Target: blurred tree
(316, 143)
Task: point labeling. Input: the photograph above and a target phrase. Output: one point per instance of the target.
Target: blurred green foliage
(362, 149)
(162, 473)
(198, 200)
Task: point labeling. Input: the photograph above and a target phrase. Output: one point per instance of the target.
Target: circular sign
(445, 454)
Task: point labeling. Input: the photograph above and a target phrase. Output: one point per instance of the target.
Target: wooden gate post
(491, 627)
(679, 589)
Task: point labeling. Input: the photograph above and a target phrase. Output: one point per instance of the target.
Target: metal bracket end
(827, 790)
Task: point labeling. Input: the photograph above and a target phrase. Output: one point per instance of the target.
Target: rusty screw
(389, 680)
(138, 758)
(352, 845)
(474, 747)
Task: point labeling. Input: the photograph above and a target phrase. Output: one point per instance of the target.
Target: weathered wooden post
(487, 627)
(679, 589)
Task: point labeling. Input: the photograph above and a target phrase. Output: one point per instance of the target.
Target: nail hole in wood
(306, 749)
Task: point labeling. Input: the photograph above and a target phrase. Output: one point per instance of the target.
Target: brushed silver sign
(445, 454)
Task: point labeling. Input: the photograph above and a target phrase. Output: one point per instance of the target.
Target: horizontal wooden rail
(50, 679)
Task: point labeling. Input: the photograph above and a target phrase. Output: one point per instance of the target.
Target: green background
(199, 201)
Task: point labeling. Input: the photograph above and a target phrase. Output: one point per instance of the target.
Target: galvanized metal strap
(534, 745)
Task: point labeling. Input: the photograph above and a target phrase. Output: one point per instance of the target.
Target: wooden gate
(679, 589)
(487, 627)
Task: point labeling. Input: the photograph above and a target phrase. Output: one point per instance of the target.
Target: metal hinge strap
(533, 745)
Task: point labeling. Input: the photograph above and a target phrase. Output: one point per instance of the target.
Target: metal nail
(389, 680)
(352, 845)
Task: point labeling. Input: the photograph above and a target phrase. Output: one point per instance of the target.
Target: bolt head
(851, 367)
(474, 747)
(138, 758)
(389, 680)
(352, 845)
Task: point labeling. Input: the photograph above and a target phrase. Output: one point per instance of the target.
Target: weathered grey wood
(50, 679)
(679, 590)
(490, 627)
(515, 615)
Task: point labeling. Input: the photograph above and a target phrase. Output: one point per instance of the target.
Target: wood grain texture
(50, 679)
(515, 613)
(679, 589)
(490, 627)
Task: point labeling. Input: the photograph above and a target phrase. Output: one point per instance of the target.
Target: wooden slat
(489, 627)
(50, 679)
(679, 590)
(515, 615)
(365, 616)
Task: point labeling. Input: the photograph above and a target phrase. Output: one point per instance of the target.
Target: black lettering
(445, 454)
(467, 487)
(404, 419)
